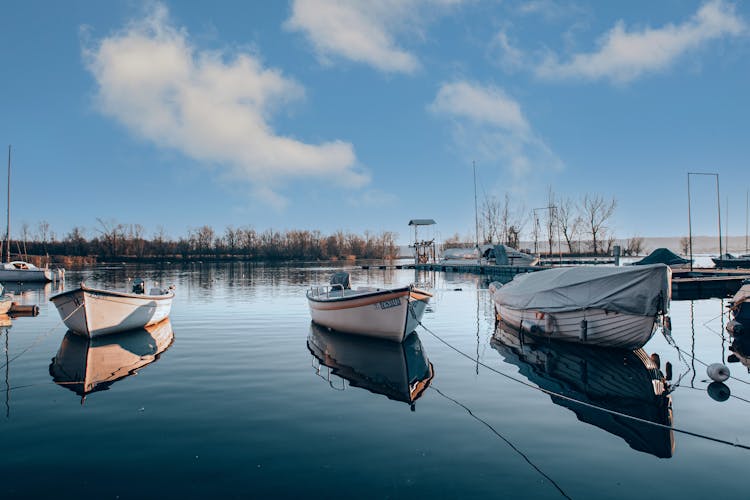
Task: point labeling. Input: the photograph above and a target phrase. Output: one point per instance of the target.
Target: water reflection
(624, 381)
(740, 348)
(86, 365)
(5, 324)
(33, 292)
(399, 371)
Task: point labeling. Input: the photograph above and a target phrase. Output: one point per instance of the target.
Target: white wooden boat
(92, 312)
(606, 306)
(19, 271)
(86, 365)
(621, 380)
(387, 313)
(400, 371)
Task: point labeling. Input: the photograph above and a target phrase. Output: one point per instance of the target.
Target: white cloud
(153, 81)
(363, 31)
(483, 105)
(491, 126)
(624, 56)
(508, 55)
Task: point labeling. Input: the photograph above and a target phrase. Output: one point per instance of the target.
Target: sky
(359, 116)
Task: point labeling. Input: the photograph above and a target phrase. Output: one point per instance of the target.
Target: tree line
(582, 225)
(116, 241)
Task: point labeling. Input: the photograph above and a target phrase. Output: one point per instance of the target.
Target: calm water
(237, 405)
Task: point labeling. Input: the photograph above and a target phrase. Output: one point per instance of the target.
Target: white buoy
(718, 372)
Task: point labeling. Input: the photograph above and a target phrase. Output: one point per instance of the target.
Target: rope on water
(513, 447)
(583, 403)
(41, 336)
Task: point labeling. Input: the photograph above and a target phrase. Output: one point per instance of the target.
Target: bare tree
(685, 245)
(113, 235)
(634, 246)
(551, 216)
(43, 233)
(596, 212)
(512, 222)
(491, 219)
(570, 221)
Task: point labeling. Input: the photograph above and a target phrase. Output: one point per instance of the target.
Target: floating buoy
(718, 391)
(734, 327)
(23, 310)
(718, 372)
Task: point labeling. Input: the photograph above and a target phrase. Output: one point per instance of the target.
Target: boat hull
(25, 275)
(603, 328)
(736, 263)
(385, 314)
(92, 313)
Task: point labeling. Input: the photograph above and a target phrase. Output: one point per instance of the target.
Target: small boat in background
(20, 271)
(401, 372)
(606, 306)
(92, 312)
(386, 313)
(729, 261)
(664, 256)
(94, 364)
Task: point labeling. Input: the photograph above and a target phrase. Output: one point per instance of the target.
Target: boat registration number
(387, 304)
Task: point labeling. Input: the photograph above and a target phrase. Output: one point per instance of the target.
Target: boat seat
(342, 279)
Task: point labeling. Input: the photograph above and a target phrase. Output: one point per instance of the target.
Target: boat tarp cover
(661, 256)
(642, 290)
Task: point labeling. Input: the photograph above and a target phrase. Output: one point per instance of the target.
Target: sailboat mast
(7, 230)
(476, 212)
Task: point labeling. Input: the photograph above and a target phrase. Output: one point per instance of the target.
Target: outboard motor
(139, 286)
(342, 279)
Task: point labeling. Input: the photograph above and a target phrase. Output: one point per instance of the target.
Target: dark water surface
(248, 400)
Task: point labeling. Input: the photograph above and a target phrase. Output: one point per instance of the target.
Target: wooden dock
(492, 271)
(686, 285)
(707, 283)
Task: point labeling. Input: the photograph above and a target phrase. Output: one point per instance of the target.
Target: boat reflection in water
(740, 348)
(86, 365)
(400, 371)
(619, 380)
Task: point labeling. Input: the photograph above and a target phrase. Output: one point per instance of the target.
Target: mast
(476, 212)
(7, 230)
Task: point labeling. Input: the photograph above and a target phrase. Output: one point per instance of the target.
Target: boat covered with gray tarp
(610, 306)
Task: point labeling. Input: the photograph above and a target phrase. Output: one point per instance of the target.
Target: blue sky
(318, 114)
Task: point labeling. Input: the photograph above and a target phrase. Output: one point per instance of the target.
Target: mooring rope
(584, 403)
(41, 336)
(513, 447)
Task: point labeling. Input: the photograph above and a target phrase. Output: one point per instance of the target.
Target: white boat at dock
(606, 306)
(92, 312)
(501, 255)
(387, 313)
(20, 271)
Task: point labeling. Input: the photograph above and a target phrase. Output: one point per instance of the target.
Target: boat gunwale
(369, 294)
(99, 291)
